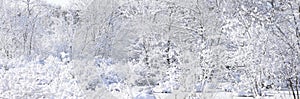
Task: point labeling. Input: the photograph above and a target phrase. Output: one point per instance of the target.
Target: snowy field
(219, 95)
(149, 49)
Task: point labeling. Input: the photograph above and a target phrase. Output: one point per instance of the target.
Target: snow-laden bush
(53, 79)
(117, 78)
(227, 88)
(199, 87)
(145, 96)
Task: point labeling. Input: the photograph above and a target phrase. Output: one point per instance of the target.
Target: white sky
(62, 3)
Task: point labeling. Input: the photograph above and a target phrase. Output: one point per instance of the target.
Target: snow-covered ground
(218, 95)
(149, 49)
(40, 78)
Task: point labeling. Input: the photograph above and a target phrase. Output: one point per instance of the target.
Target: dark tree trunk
(167, 51)
(292, 88)
(297, 88)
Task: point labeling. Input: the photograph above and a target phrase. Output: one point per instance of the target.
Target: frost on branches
(149, 49)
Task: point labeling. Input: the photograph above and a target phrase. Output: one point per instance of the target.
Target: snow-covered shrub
(103, 61)
(65, 57)
(227, 88)
(146, 93)
(145, 96)
(53, 79)
(118, 78)
(199, 87)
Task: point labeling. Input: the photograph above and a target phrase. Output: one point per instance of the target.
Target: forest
(150, 49)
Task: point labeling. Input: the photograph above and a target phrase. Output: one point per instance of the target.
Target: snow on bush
(53, 79)
(145, 96)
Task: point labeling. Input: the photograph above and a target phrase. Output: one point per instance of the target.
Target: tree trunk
(256, 89)
(297, 88)
(167, 51)
(292, 88)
